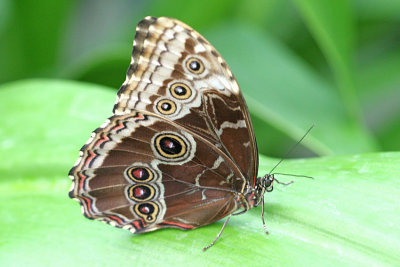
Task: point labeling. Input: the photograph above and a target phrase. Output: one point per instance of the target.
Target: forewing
(213, 105)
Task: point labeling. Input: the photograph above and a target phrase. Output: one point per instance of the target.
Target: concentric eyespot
(170, 145)
(166, 106)
(194, 65)
(139, 174)
(141, 192)
(148, 211)
(180, 91)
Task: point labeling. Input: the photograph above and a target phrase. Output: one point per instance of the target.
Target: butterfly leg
(262, 217)
(223, 227)
(219, 234)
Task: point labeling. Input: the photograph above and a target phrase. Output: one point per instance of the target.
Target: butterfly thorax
(255, 195)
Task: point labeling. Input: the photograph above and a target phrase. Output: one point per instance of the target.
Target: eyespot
(170, 146)
(139, 174)
(180, 91)
(166, 107)
(148, 211)
(194, 65)
(141, 192)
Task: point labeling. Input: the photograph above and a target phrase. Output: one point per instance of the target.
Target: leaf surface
(346, 216)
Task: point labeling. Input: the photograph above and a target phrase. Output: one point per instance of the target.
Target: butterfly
(179, 150)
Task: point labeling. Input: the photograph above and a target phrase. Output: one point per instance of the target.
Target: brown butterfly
(179, 150)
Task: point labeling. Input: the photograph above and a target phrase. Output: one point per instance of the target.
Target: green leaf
(284, 92)
(346, 216)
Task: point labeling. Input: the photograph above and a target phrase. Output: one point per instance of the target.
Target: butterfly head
(263, 184)
(267, 182)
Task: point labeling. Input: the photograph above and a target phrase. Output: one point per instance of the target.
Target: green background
(334, 64)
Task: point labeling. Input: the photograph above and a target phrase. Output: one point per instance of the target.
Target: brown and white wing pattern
(143, 173)
(179, 150)
(176, 73)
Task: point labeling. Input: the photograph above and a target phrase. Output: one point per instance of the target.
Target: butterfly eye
(140, 192)
(139, 174)
(170, 146)
(180, 91)
(148, 211)
(166, 107)
(194, 65)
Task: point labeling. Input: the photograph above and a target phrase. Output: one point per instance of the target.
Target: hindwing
(142, 172)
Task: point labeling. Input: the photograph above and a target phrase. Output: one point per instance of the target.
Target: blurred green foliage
(334, 64)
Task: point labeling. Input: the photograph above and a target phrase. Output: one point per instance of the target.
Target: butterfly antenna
(290, 151)
(295, 175)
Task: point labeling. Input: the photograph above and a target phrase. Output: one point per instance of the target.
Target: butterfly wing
(142, 172)
(178, 94)
(213, 105)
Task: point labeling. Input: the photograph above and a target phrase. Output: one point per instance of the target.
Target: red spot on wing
(180, 225)
(92, 155)
(145, 209)
(115, 218)
(136, 224)
(119, 126)
(138, 192)
(104, 138)
(81, 180)
(138, 173)
(139, 116)
(88, 203)
(168, 144)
